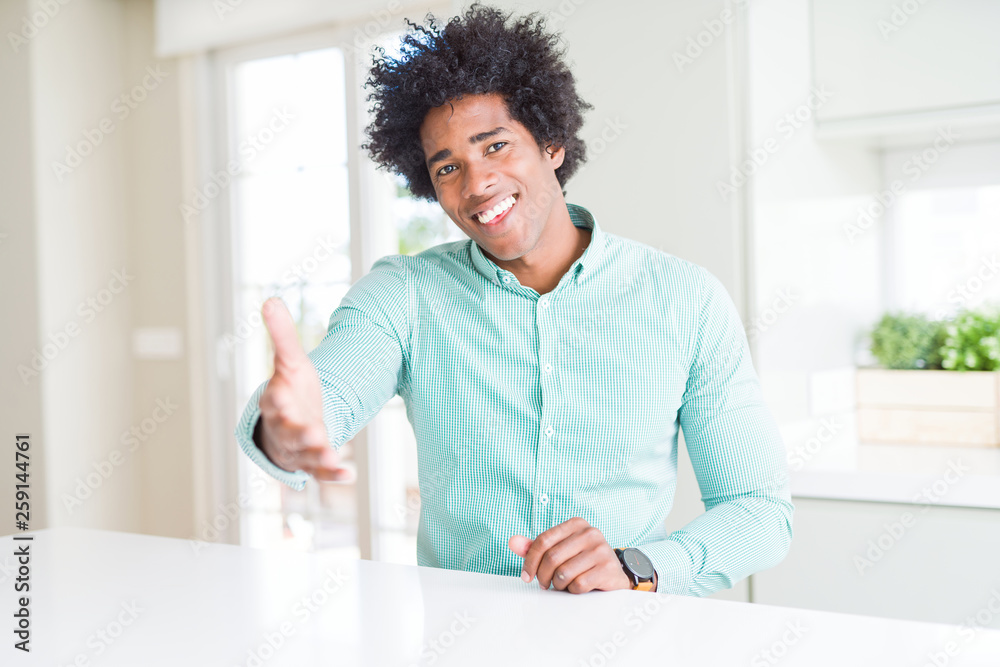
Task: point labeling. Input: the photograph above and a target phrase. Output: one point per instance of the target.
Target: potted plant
(923, 391)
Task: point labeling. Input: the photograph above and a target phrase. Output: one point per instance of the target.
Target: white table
(118, 599)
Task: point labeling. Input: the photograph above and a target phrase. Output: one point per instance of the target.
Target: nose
(479, 177)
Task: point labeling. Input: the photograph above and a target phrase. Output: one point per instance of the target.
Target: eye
(499, 143)
(442, 172)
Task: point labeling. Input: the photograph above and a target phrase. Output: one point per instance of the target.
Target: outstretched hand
(293, 434)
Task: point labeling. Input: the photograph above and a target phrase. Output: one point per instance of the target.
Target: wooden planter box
(929, 407)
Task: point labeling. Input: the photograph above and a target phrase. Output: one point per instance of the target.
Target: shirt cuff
(672, 564)
(244, 436)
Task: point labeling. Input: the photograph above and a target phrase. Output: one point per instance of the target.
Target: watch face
(638, 563)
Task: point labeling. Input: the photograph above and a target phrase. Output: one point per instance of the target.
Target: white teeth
(496, 210)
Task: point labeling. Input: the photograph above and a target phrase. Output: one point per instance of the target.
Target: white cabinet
(896, 60)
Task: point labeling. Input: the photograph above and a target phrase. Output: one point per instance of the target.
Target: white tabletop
(117, 599)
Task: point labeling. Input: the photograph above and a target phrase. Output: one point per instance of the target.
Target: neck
(561, 244)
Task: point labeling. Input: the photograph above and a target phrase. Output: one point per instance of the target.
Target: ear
(556, 155)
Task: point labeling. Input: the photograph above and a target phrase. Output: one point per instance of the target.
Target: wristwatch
(638, 568)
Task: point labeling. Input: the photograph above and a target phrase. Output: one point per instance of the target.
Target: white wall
(655, 180)
(803, 195)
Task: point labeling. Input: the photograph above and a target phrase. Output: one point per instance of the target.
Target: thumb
(288, 350)
(519, 545)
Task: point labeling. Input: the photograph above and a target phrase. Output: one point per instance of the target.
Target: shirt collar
(582, 267)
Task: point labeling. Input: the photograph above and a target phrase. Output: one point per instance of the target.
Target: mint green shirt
(531, 409)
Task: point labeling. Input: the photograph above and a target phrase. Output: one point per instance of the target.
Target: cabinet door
(891, 57)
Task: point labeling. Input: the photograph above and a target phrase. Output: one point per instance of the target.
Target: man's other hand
(573, 556)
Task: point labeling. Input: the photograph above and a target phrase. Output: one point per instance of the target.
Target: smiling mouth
(497, 213)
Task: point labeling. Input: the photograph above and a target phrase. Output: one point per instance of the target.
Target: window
(291, 229)
(289, 126)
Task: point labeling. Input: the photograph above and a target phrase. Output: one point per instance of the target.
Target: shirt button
(549, 431)
(545, 303)
(544, 499)
(548, 368)
(506, 279)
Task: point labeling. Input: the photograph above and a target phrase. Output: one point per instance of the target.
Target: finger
(519, 544)
(343, 475)
(572, 568)
(294, 447)
(559, 553)
(318, 456)
(323, 463)
(288, 350)
(607, 575)
(587, 581)
(547, 539)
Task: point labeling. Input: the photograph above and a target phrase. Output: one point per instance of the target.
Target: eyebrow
(445, 153)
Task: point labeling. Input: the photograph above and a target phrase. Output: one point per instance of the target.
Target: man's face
(479, 157)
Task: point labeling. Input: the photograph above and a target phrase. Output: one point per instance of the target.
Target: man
(546, 365)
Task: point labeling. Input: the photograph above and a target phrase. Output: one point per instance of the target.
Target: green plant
(972, 341)
(903, 341)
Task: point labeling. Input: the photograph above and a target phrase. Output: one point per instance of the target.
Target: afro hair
(477, 53)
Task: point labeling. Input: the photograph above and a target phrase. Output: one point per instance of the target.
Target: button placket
(545, 479)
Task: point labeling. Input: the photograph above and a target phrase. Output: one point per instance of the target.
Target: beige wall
(20, 403)
(157, 247)
(111, 212)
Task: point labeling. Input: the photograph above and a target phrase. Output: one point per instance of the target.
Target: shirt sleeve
(361, 361)
(739, 459)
